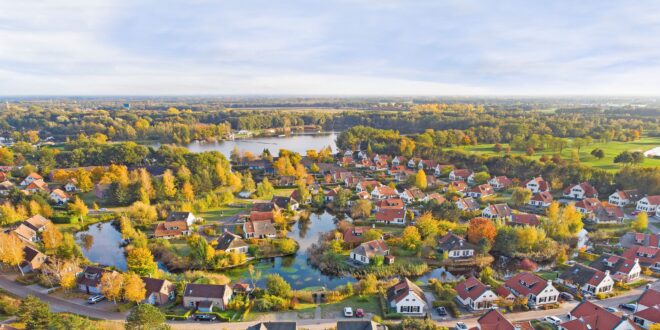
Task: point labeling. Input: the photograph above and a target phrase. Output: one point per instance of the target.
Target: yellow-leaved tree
(134, 288)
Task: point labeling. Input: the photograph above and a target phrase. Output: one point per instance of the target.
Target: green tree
(146, 317)
(598, 153)
(34, 313)
(78, 208)
(481, 177)
(265, 188)
(141, 261)
(520, 196)
(277, 286)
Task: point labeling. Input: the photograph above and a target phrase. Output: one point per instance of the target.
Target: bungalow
(621, 268)
(624, 197)
(456, 247)
(542, 199)
(90, 280)
(26, 233)
(631, 239)
(383, 192)
(5, 187)
(537, 290)
(500, 182)
(496, 211)
(459, 186)
(259, 229)
(274, 325)
(647, 317)
(524, 219)
(412, 195)
(459, 174)
(649, 204)
(649, 298)
(330, 195)
(607, 214)
(230, 242)
(587, 279)
(188, 217)
(648, 256)
(394, 170)
(364, 163)
(171, 229)
(434, 198)
(391, 216)
(475, 295)
(37, 222)
(390, 203)
(407, 298)
(587, 205)
(588, 315)
(354, 235)
(36, 186)
(285, 202)
(59, 197)
(71, 185)
(481, 190)
(537, 185)
(32, 177)
(380, 165)
(158, 292)
(32, 259)
(426, 164)
(580, 191)
(366, 251)
(468, 204)
(206, 296)
(494, 320)
(366, 185)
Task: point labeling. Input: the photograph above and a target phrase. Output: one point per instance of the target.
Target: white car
(552, 320)
(348, 312)
(95, 298)
(461, 326)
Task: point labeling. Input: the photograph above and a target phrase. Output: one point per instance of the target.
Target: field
(607, 163)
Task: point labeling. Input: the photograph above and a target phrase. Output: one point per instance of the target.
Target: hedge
(218, 315)
(185, 316)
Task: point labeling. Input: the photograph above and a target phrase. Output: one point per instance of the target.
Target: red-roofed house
(391, 216)
(481, 191)
(587, 279)
(620, 268)
(494, 320)
(524, 219)
(648, 256)
(459, 174)
(537, 290)
(588, 315)
(497, 211)
(537, 185)
(542, 199)
(366, 251)
(580, 191)
(624, 197)
(649, 204)
(647, 317)
(384, 192)
(475, 295)
(407, 298)
(500, 182)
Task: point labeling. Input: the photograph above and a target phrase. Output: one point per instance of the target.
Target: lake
(295, 269)
(102, 243)
(299, 143)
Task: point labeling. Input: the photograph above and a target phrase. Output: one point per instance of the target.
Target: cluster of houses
(35, 183)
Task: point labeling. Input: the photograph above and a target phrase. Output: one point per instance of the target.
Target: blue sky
(352, 47)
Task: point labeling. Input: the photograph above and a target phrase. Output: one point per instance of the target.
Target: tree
(187, 191)
(641, 222)
(34, 313)
(111, 285)
(146, 317)
(11, 250)
(410, 238)
(428, 227)
(562, 223)
(143, 215)
(372, 234)
(78, 208)
(6, 156)
(277, 286)
(598, 153)
(420, 180)
(84, 180)
(52, 238)
(68, 281)
(141, 261)
(134, 288)
(479, 228)
(169, 184)
(265, 188)
(248, 182)
(481, 177)
(624, 157)
(72, 322)
(520, 196)
(361, 209)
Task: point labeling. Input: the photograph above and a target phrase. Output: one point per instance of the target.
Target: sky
(329, 47)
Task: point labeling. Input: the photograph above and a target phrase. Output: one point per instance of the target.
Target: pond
(102, 243)
(299, 143)
(295, 269)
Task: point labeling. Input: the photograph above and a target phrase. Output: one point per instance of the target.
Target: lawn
(368, 303)
(612, 149)
(217, 213)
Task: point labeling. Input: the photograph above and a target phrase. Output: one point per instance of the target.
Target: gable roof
(502, 210)
(471, 288)
(588, 315)
(650, 297)
(452, 242)
(525, 219)
(618, 264)
(390, 214)
(581, 275)
(400, 290)
(588, 189)
(229, 241)
(357, 325)
(170, 228)
(372, 248)
(526, 283)
(205, 290)
(176, 216)
(494, 320)
(652, 314)
(543, 196)
(36, 222)
(155, 285)
(274, 325)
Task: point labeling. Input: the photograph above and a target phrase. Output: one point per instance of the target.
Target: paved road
(61, 305)
(57, 304)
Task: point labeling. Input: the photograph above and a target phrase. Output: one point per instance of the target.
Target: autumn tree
(11, 250)
(68, 281)
(361, 209)
(427, 226)
(420, 180)
(78, 208)
(520, 196)
(265, 188)
(141, 261)
(410, 238)
(562, 223)
(641, 222)
(111, 285)
(169, 184)
(479, 228)
(141, 214)
(134, 288)
(52, 238)
(187, 191)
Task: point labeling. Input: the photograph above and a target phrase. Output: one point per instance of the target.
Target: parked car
(566, 296)
(634, 213)
(441, 311)
(348, 312)
(95, 298)
(611, 309)
(552, 320)
(359, 312)
(205, 317)
(630, 307)
(461, 326)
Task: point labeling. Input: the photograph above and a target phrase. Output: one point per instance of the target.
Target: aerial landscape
(346, 165)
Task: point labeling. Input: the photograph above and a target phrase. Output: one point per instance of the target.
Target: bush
(182, 317)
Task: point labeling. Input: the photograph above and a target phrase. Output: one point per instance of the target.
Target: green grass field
(612, 149)
(216, 213)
